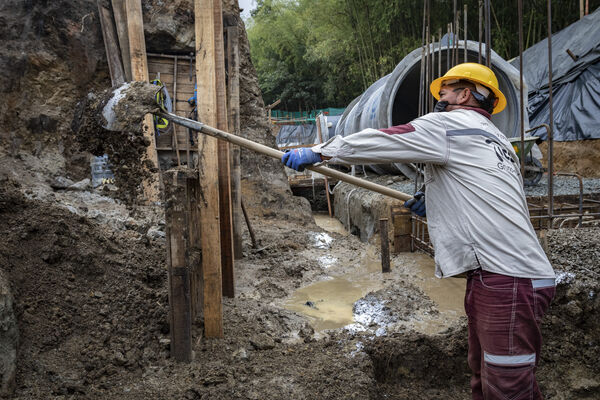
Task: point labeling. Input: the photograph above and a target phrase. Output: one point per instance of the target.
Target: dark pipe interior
(406, 101)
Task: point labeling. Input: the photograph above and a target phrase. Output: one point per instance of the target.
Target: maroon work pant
(504, 315)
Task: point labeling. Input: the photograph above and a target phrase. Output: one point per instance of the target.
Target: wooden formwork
(177, 74)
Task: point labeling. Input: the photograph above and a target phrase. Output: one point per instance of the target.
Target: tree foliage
(323, 53)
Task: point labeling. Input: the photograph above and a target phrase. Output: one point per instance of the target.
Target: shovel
(112, 123)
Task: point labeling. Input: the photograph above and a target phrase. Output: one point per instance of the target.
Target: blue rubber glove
(417, 204)
(298, 159)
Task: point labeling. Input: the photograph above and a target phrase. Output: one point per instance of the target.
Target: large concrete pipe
(394, 99)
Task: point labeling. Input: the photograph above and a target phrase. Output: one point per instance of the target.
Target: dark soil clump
(126, 148)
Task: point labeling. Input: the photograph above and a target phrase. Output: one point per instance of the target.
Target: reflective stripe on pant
(504, 334)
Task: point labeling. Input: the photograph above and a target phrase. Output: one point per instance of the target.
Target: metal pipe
(457, 33)
(564, 215)
(427, 66)
(488, 35)
(551, 122)
(448, 48)
(454, 31)
(522, 119)
(440, 53)
(465, 31)
(480, 29)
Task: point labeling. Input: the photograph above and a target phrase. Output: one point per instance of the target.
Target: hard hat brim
(436, 85)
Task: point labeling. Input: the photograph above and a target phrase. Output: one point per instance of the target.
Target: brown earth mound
(581, 157)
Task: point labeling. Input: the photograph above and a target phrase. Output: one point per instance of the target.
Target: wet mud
(125, 147)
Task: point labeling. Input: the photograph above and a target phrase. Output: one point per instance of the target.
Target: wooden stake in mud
(233, 119)
(180, 313)
(223, 158)
(208, 168)
(139, 72)
(385, 245)
(250, 230)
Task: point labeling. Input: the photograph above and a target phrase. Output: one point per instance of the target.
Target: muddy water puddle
(330, 304)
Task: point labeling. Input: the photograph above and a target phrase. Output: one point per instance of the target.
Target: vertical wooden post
(120, 14)
(175, 138)
(180, 314)
(321, 125)
(233, 94)
(385, 245)
(207, 169)
(195, 246)
(109, 34)
(139, 72)
(223, 157)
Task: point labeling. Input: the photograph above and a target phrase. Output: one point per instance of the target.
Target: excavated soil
(581, 157)
(92, 309)
(126, 147)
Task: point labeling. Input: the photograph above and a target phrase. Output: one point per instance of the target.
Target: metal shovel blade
(108, 111)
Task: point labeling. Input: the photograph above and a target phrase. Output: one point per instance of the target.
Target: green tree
(324, 53)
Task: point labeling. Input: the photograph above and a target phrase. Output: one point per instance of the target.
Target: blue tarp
(575, 83)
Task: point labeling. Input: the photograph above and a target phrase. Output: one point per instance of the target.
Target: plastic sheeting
(575, 83)
(304, 134)
(296, 135)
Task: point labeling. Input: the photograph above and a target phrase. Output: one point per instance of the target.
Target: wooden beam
(385, 245)
(208, 168)
(120, 14)
(322, 126)
(109, 34)
(233, 95)
(195, 246)
(223, 157)
(177, 217)
(139, 72)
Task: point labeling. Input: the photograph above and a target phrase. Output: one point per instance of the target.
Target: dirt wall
(52, 54)
(581, 157)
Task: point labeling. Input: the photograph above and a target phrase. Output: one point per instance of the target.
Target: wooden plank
(120, 14)
(176, 217)
(322, 126)
(195, 247)
(233, 94)
(223, 158)
(139, 72)
(207, 169)
(109, 34)
(175, 141)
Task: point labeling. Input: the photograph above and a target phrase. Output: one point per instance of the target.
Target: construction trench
(87, 277)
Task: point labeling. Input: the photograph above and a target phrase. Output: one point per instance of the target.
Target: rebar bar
(521, 109)
(551, 117)
(480, 29)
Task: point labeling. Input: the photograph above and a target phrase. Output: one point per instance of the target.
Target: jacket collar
(476, 109)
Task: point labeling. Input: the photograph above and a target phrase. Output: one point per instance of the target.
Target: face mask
(440, 106)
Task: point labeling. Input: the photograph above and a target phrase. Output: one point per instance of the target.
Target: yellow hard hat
(472, 72)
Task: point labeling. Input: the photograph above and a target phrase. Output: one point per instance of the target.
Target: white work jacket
(477, 214)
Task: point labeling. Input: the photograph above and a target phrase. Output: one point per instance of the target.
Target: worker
(477, 218)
